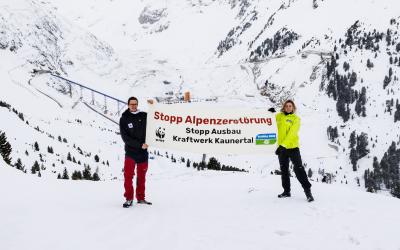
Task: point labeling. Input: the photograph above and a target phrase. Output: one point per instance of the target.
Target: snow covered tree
(96, 158)
(361, 101)
(362, 145)
(80, 150)
(213, 164)
(397, 112)
(69, 158)
(21, 116)
(35, 168)
(87, 175)
(5, 105)
(346, 66)
(395, 190)
(358, 148)
(76, 175)
(332, 133)
(377, 174)
(353, 158)
(5, 148)
(188, 163)
(315, 4)
(36, 146)
(385, 172)
(18, 165)
(65, 174)
(96, 176)
(310, 173)
(386, 81)
(343, 109)
(370, 65)
(352, 140)
(202, 166)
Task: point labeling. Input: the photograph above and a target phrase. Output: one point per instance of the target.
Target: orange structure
(186, 97)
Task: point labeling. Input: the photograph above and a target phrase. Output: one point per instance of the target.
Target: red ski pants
(129, 172)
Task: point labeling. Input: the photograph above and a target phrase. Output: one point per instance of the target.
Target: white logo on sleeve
(130, 125)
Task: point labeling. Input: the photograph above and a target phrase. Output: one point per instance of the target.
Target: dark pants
(294, 156)
(129, 172)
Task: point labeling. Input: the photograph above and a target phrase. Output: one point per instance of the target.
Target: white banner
(200, 129)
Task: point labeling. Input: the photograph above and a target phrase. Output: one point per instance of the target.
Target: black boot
(309, 196)
(284, 195)
(127, 203)
(144, 202)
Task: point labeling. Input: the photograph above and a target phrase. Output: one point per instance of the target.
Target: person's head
(133, 104)
(288, 107)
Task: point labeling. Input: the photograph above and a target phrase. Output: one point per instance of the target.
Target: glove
(280, 150)
(272, 110)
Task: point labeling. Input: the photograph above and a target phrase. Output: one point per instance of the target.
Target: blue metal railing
(83, 86)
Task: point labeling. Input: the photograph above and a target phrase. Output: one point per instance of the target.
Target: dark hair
(132, 98)
(288, 101)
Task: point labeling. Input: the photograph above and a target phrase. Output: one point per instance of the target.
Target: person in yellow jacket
(288, 149)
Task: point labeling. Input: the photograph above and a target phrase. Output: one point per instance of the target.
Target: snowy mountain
(339, 60)
(342, 72)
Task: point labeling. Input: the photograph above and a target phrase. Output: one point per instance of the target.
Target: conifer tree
(18, 165)
(96, 176)
(76, 175)
(35, 168)
(87, 175)
(5, 148)
(310, 173)
(69, 158)
(65, 174)
(188, 163)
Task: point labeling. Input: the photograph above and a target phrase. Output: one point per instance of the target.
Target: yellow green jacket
(288, 130)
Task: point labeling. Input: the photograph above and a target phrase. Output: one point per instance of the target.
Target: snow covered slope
(191, 211)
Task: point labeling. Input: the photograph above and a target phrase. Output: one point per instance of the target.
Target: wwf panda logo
(160, 132)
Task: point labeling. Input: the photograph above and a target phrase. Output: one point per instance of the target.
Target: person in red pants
(133, 132)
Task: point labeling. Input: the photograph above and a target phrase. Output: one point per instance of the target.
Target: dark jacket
(133, 132)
